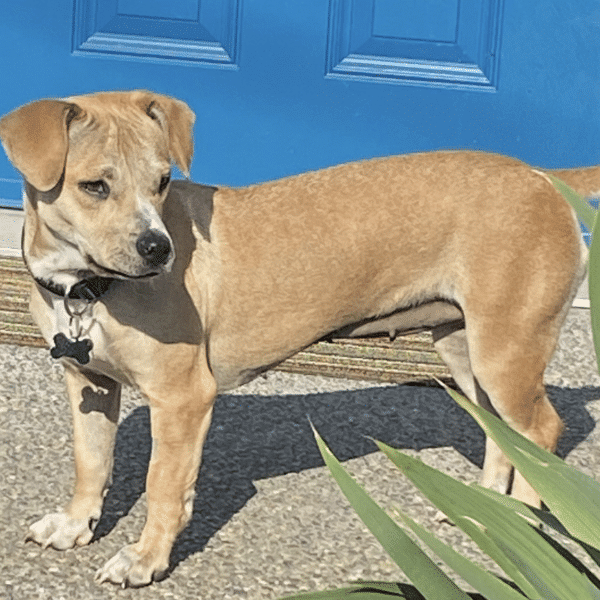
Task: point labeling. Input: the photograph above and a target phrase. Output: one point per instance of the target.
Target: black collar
(89, 289)
(86, 289)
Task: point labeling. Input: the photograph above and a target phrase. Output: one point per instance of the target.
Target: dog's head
(97, 170)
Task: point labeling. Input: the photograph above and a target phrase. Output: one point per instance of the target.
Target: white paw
(128, 568)
(60, 531)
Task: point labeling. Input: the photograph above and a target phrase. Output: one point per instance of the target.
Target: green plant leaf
(588, 216)
(537, 515)
(571, 558)
(594, 288)
(488, 584)
(429, 579)
(572, 496)
(502, 534)
(585, 212)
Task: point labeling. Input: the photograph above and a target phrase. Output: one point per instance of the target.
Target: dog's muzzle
(154, 247)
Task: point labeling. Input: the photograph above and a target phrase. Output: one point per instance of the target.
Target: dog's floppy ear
(178, 120)
(35, 137)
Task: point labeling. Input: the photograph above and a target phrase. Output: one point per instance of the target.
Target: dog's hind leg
(181, 402)
(508, 358)
(450, 341)
(95, 402)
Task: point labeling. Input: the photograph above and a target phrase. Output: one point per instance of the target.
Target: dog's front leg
(180, 420)
(95, 402)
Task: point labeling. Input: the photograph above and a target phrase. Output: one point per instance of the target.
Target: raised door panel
(450, 43)
(188, 31)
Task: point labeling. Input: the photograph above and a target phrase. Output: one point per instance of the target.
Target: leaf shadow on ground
(256, 437)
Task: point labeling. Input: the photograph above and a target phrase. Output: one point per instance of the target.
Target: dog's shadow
(255, 437)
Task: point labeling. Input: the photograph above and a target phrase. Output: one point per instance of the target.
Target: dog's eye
(96, 188)
(164, 182)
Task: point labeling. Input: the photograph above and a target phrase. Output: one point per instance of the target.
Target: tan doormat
(16, 326)
(408, 359)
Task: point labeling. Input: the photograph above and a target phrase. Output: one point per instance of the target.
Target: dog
(187, 290)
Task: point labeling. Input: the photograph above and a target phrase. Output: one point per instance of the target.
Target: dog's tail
(585, 181)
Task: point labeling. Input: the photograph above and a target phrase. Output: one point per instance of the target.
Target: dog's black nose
(154, 247)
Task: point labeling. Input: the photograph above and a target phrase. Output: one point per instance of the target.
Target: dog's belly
(423, 317)
(408, 320)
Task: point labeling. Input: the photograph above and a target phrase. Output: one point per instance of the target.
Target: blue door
(284, 86)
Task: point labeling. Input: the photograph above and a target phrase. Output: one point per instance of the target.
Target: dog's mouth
(107, 272)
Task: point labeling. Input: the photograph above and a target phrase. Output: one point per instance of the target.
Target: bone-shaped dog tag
(77, 349)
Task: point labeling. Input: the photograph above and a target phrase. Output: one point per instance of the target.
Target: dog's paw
(60, 531)
(130, 569)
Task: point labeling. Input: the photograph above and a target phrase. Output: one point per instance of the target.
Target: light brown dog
(186, 290)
